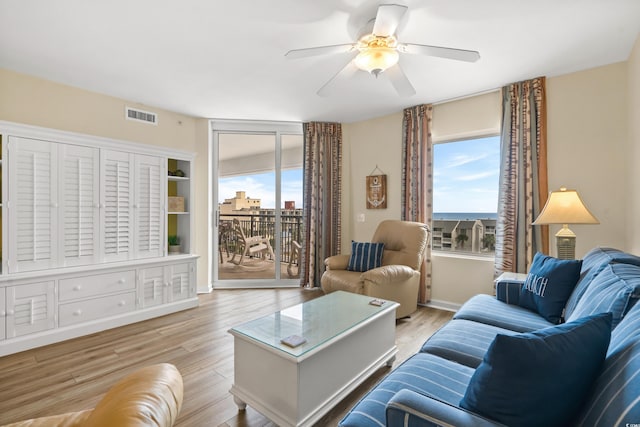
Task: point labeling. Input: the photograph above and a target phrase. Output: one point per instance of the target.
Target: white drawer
(97, 308)
(98, 284)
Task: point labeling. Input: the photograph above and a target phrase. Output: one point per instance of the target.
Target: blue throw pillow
(548, 286)
(365, 256)
(540, 378)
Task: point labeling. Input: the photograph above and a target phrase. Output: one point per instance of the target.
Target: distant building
(240, 204)
(290, 205)
(445, 232)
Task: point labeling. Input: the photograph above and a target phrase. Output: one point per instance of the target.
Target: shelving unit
(93, 222)
(179, 222)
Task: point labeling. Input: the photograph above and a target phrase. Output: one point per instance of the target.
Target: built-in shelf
(179, 223)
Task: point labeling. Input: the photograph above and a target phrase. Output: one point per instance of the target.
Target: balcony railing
(263, 225)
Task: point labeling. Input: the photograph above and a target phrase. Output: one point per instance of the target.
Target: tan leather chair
(149, 397)
(398, 279)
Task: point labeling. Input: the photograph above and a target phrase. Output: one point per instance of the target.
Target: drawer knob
(77, 313)
(77, 287)
(121, 281)
(122, 303)
(10, 313)
(3, 313)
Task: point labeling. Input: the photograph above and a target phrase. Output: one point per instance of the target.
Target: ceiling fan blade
(345, 72)
(439, 51)
(320, 50)
(387, 19)
(400, 81)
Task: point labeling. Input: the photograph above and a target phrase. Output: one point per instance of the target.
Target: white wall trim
(67, 137)
(443, 305)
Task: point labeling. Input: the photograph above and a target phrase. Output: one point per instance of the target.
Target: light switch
(361, 217)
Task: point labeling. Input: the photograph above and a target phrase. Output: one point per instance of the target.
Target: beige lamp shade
(565, 207)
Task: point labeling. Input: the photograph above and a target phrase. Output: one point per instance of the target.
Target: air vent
(141, 116)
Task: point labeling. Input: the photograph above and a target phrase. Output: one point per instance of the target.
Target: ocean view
(460, 216)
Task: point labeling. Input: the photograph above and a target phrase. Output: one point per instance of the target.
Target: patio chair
(294, 259)
(249, 246)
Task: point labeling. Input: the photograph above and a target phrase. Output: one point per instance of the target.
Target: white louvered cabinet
(149, 206)
(116, 202)
(166, 284)
(33, 204)
(30, 308)
(3, 315)
(84, 235)
(79, 211)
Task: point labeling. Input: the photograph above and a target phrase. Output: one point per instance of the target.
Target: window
(465, 195)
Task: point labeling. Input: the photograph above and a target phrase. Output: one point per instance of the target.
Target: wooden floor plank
(73, 375)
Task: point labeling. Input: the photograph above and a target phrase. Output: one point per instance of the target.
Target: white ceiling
(225, 59)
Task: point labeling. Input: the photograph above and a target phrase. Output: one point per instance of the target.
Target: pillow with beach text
(548, 285)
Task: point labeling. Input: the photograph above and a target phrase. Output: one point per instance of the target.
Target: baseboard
(443, 305)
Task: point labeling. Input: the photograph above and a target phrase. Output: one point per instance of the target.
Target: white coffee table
(347, 340)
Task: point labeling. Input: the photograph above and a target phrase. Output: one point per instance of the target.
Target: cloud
(464, 159)
(475, 176)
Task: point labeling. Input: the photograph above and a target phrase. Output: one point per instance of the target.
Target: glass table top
(317, 321)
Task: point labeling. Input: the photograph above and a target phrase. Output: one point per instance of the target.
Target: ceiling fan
(379, 51)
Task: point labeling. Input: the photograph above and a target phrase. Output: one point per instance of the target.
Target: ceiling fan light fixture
(375, 60)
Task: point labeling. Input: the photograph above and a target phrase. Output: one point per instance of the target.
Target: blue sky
(465, 179)
(262, 186)
(466, 175)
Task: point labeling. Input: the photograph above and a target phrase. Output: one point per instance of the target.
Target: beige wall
(368, 144)
(378, 142)
(633, 158)
(587, 149)
(34, 101)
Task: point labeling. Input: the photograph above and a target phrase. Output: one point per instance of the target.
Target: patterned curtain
(523, 184)
(322, 193)
(417, 180)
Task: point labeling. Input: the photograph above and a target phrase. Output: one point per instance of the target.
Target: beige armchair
(398, 279)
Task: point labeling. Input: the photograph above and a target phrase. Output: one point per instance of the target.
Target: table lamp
(565, 207)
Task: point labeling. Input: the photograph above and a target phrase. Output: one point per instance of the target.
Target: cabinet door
(32, 204)
(79, 203)
(152, 286)
(149, 206)
(181, 280)
(30, 308)
(3, 315)
(116, 200)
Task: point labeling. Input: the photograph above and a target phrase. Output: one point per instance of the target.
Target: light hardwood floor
(73, 375)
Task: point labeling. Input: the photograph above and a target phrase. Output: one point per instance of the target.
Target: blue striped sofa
(427, 388)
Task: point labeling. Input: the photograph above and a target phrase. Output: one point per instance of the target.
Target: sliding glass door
(257, 194)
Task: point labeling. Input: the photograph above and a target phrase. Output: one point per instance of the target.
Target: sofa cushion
(548, 285)
(463, 341)
(615, 400)
(540, 378)
(488, 310)
(592, 264)
(365, 256)
(615, 289)
(423, 373)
